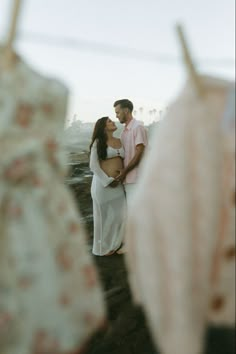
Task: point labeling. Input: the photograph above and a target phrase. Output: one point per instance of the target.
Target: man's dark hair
(125, 104)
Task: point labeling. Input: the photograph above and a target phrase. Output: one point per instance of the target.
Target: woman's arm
(96, 168)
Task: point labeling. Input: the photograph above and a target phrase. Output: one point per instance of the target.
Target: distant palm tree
(153, 114)
(141, 110)
(150, 114)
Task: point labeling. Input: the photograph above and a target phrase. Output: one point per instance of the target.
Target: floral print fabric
(50, 297)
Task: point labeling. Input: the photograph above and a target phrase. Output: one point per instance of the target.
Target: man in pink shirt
(134, 141)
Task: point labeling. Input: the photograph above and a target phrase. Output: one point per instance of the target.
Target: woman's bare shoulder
(118, 143)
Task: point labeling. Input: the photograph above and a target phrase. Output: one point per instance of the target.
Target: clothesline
(114, 50)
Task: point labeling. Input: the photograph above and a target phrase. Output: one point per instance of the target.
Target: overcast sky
(97, 73)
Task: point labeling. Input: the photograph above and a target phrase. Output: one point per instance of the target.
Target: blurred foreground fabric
(181, 228)
(50, 297)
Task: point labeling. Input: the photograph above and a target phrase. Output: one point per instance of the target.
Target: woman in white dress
(106, 161)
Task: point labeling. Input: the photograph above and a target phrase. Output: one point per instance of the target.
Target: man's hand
(139, 150)
(114, 184)
(121, 176)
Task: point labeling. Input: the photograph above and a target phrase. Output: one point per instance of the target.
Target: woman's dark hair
(100, 136)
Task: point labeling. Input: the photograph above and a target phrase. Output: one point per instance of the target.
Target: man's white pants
(129, 190)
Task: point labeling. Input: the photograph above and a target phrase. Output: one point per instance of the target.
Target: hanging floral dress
(50, 297)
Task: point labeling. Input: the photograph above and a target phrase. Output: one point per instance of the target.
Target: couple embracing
(114, 163)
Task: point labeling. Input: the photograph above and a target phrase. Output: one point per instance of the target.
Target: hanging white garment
(180, 236)
(109, 209)
(50, 298)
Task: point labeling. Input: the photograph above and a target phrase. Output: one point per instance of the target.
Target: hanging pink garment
(181, 227)
(50, 298)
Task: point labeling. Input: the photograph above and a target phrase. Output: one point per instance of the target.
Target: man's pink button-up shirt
(133, 134)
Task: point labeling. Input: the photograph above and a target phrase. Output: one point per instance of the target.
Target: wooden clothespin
(8, 53)
(192, 72)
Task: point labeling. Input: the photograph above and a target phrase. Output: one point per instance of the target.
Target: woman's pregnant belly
(112, 166)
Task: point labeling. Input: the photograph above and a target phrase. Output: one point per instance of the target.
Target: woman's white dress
(109, 206)
(50, 297)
